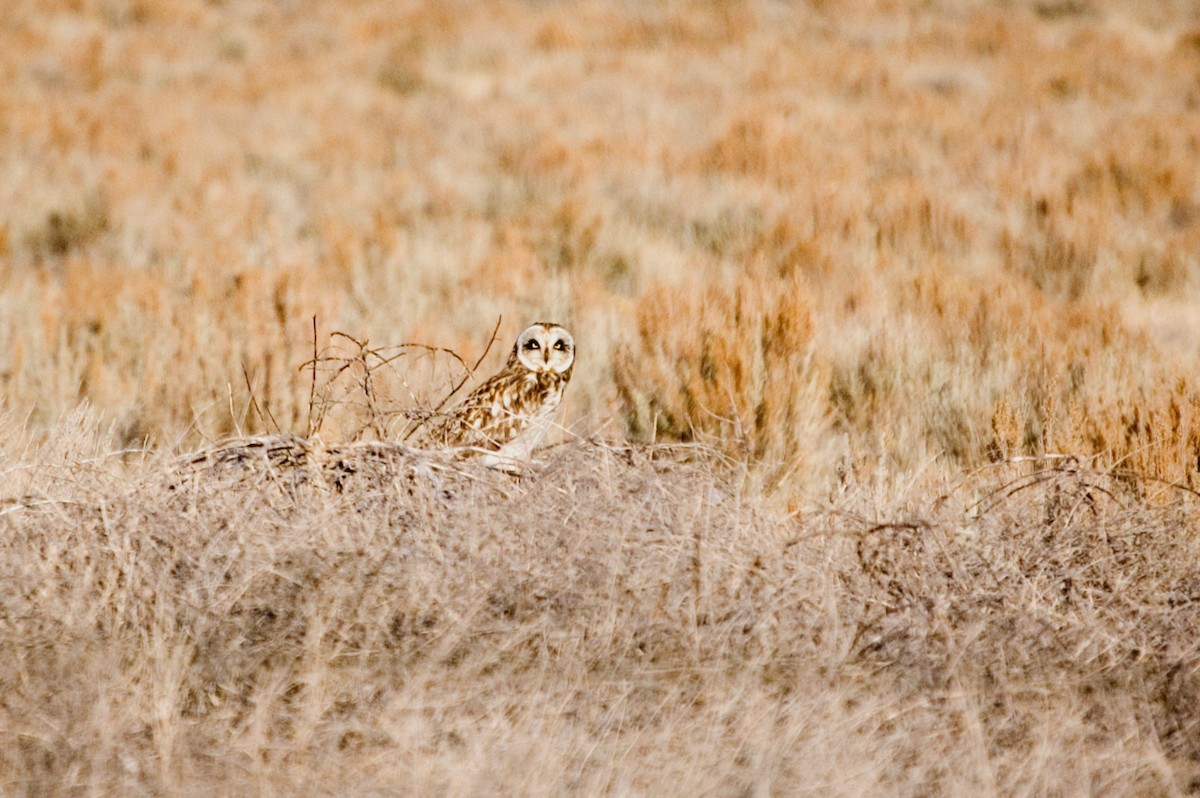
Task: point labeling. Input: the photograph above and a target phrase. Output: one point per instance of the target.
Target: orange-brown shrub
(962, 371)
(734, 366)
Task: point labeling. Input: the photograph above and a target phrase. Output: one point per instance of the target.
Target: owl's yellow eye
(532, 345)
(560, 344)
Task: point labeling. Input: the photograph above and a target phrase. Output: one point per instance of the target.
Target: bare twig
(469, 374)
(366, 361)
(264, 415)
(312, 388)
(471, 371)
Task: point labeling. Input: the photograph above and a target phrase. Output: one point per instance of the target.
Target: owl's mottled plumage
(508, 415)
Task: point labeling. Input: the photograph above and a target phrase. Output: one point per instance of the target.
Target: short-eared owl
(508, 415)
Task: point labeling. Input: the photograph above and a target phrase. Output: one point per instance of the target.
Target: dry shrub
(906, 214)
(964, 371)
(685, 25)
(362, 392)
(126, 341)
(763, 144)
(69, 230)
(626, 620)
(1053, 262)
(1093, 388)
(732, 367)
(1152, 432)
(960, 600)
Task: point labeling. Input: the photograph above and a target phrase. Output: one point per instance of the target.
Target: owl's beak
(546, 355)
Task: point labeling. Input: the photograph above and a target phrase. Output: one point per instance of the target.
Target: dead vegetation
(975, 211)
(738, 367)
(896, 302)
(626, 620)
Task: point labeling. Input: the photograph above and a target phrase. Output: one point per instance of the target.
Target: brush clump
(624, 615)
(736, 366)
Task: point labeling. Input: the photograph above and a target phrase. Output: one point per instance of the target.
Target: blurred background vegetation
(831, 237)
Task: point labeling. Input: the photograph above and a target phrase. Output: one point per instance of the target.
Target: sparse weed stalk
(386, 393)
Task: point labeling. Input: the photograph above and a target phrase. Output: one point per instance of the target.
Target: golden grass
(862, 256)
(736, 367)
(192, 186)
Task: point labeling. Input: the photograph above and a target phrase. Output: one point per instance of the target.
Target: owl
(507, 416)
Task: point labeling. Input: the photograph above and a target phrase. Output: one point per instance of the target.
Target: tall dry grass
(985, 218)
(629, 621)
(736, 367)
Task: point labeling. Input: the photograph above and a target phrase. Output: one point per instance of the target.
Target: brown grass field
(878, 473)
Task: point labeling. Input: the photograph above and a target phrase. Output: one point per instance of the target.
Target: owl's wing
(494, 413)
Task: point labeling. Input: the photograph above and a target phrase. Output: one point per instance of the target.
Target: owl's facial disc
(546, 348)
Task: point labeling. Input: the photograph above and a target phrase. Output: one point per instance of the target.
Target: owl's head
(544, 347)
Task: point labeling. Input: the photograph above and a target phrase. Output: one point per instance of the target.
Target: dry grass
(187, 188)
(626, 621)
(914, 284)
(734, 367)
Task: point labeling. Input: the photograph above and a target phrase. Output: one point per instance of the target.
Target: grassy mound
(622, 620)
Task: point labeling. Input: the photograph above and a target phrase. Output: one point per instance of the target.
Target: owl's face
(545, 347)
